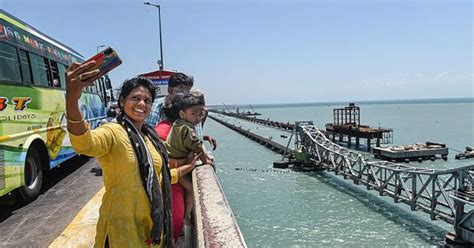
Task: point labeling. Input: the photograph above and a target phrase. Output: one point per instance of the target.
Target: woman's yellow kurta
(125, 210)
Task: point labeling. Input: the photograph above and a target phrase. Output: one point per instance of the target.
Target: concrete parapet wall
(215, 224)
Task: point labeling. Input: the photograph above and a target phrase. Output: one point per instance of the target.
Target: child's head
(201, 101)
(189, 108)
(199, 95)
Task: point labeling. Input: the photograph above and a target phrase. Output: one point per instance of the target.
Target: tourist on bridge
(178, 83)
(199, 127)
(136, 207)
(170, 114)
(183, 139)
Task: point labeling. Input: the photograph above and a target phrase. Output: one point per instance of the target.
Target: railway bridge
(446, 195)
(443, 194)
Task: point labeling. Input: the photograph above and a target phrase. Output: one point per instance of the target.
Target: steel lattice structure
(430, 190)
(444, 194)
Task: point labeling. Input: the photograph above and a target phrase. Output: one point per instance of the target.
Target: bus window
(108, 83)
(102, 83)
(103, 91)
(55, 72)
(99, 87)
(9, 69)
(98, 84)
(94, 87)
(40, 67)
(25, 67)
(62, 75)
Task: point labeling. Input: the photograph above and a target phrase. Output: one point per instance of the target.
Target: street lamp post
(161, 64)
(99, 47)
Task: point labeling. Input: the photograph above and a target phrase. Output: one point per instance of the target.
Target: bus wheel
(33, 176)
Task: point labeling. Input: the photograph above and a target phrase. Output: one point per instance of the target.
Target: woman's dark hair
(111, 113)
(130, 84)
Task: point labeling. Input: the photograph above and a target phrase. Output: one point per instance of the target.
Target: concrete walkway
(67, 190)
(82, 229)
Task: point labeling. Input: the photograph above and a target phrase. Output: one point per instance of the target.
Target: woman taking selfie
(136, 207)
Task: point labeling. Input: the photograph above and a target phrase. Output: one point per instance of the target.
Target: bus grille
(2, 169)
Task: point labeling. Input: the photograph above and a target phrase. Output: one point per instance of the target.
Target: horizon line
(350, 101)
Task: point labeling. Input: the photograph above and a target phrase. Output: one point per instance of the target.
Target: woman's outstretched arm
(78, 76)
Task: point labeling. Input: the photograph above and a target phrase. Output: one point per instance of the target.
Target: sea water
(282, 208)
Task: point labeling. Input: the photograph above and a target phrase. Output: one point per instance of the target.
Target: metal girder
(421, 188)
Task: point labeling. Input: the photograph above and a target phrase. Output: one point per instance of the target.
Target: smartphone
(105, 61)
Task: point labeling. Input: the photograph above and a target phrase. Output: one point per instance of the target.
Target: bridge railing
(428, 190)
(215, 223)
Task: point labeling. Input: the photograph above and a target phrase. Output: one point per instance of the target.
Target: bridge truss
(442, 194)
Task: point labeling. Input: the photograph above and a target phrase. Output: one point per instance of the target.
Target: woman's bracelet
(73, 121)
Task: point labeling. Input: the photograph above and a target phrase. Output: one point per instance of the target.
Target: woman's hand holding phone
(82, 75)
(79, 76)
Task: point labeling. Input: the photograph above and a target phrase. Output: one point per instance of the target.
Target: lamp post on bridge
(160, 62)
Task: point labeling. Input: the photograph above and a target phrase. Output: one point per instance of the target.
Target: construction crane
(253, 110)
(226, 108)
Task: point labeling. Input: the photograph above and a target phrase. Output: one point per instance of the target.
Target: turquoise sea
(318, 209)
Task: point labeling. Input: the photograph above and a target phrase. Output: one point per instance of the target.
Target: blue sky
(277, 51)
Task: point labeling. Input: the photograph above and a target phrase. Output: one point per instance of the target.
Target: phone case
(105, 61)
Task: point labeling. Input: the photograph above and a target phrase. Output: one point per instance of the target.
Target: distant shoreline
(361, 102)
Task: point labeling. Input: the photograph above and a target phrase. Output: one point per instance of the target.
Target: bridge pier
(368, 144)
(357, 142)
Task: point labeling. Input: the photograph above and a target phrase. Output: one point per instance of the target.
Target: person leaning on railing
(136, 207)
